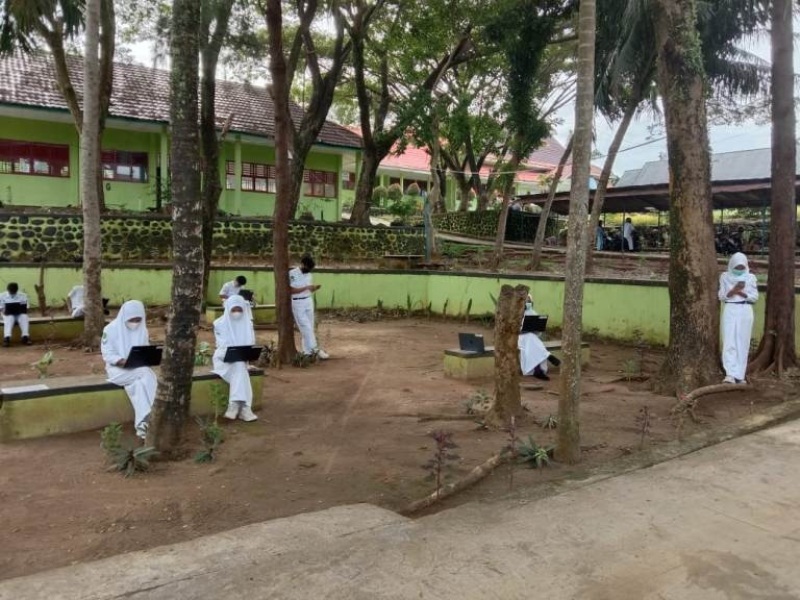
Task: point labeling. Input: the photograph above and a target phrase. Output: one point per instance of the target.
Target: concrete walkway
(722, 523)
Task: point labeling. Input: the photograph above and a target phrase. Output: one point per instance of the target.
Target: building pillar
(162, 174)
(237, 159)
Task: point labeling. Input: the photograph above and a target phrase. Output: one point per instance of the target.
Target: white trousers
(77, 312)
(140, 385)
(21, 320)
(303, 311)
(629, 242)
(532, 353)
(737, 328)
(237, 377)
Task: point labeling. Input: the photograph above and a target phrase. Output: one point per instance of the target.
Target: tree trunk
(568, 449)
(777, 347)
(464, 189)
(175, 380)
(508, 317)
(605, 176)
(283, 205)
(366, 183)
(541, 227)
(108, 37)
(692, 356)
(94, 320)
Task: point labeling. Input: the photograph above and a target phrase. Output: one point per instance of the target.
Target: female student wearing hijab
(127, 330)
(235, 328)
(738, 289)
(533, 356)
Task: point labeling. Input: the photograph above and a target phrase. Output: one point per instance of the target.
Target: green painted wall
(32, 190)
(617, 310)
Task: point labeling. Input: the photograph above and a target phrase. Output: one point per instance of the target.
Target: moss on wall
(481, 224)
(59, 237)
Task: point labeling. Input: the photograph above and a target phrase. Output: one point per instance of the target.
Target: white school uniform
(303, 309)
(229, 289)
(140, 383)
(76, 301)
(232, 332)
(737, 318)
(532, 352)
(627, 233)
(9, 320)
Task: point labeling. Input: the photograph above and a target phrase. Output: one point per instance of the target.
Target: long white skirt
(237, 376)
(737, 328)
(140, 385)
(532, 353)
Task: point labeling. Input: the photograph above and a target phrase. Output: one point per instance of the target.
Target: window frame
(142, 161)
(254, 174)
(313, 179)
(45, 153)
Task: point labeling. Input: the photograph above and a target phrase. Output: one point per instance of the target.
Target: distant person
(533, 356)
(516, 205)
(77, 304)
(129, 329)
(600, 237)
(627, 233)
(232, 288)
(302, 288)
(14, 306)
(738, 289)
(235, 328)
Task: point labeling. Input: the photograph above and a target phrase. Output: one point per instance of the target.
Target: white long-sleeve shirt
(727, 282)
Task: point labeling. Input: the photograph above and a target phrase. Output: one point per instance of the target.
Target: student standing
(235, 328)
(12, 295)
(232, 288)
(738, 289)
(600, 237)
(123, 333)
(301, 287)
(627, 233)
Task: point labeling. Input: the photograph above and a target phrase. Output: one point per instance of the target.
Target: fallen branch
(473, 477)
(423, 417)
(688, 403)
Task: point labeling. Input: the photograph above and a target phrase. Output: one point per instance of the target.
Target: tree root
(473, 477)
(424, 417)
(688, 403)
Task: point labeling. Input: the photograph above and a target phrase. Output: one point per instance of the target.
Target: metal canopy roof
(752, 193)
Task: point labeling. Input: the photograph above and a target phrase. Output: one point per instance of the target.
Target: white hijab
(118, 338)
(235, 332)
(736, 260)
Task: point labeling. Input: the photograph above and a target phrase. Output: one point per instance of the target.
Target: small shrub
(211, 436)
(304, 360)
(202, 358)
(379, 195)
(394, 193)
(533, 455)
(219, 400)
(550, 422)
(443, 458)
(127, 460)
(631, 369)
(111, 439)
(478, 403)
(413, 190)
(43, 364)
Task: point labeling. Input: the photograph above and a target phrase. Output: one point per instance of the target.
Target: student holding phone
(738, 289)
(302, 287)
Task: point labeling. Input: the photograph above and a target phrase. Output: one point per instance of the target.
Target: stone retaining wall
(59, 238)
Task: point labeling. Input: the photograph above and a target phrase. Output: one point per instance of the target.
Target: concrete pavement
(721, 523)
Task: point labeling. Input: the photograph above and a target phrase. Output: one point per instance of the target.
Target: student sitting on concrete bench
(14, 306)
(76, 302)
(533, 356)
(231, 288)
(235, 328)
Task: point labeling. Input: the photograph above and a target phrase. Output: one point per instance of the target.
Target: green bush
(394, 193)
(379, 195)
(413, 190)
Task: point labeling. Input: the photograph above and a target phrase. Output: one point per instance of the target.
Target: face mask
(528, 305)
(132, 325)
(236, 315)
(738, 272)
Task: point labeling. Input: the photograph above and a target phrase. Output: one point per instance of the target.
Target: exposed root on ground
(688, 403)
(473, 477)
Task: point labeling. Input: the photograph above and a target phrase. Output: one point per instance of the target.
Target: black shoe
(26, 340)
(6, 342)
(553, 360)
(539, 374)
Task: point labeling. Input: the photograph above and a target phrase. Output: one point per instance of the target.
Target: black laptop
(471, 342)
(534, 324)
(144, 356)
(12, 309)
(242, 354)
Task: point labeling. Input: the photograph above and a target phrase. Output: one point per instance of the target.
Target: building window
(230, 175)
(348, 181)
(320, 184)
(25, 158)
(120, 165)
(256, 177)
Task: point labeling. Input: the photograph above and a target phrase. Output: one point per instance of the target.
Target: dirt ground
(338, 432)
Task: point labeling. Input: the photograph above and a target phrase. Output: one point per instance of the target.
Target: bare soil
(342, 431)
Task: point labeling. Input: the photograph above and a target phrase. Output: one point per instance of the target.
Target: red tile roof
(142, 93)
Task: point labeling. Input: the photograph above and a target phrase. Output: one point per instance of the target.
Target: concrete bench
(263, 314)
(30, 409)
(460, 364)
(56, 328)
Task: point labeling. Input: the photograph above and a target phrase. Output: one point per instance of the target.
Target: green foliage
(202, 357)
(304, 361)
(533, 455)
(413, 190)
(394, 193)
(550, 422)
(127, 460)
(632, 369)
(211, 436)
(219, 400)
(111, 439)
(43, 364)
(478, 403)
(379, 195)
